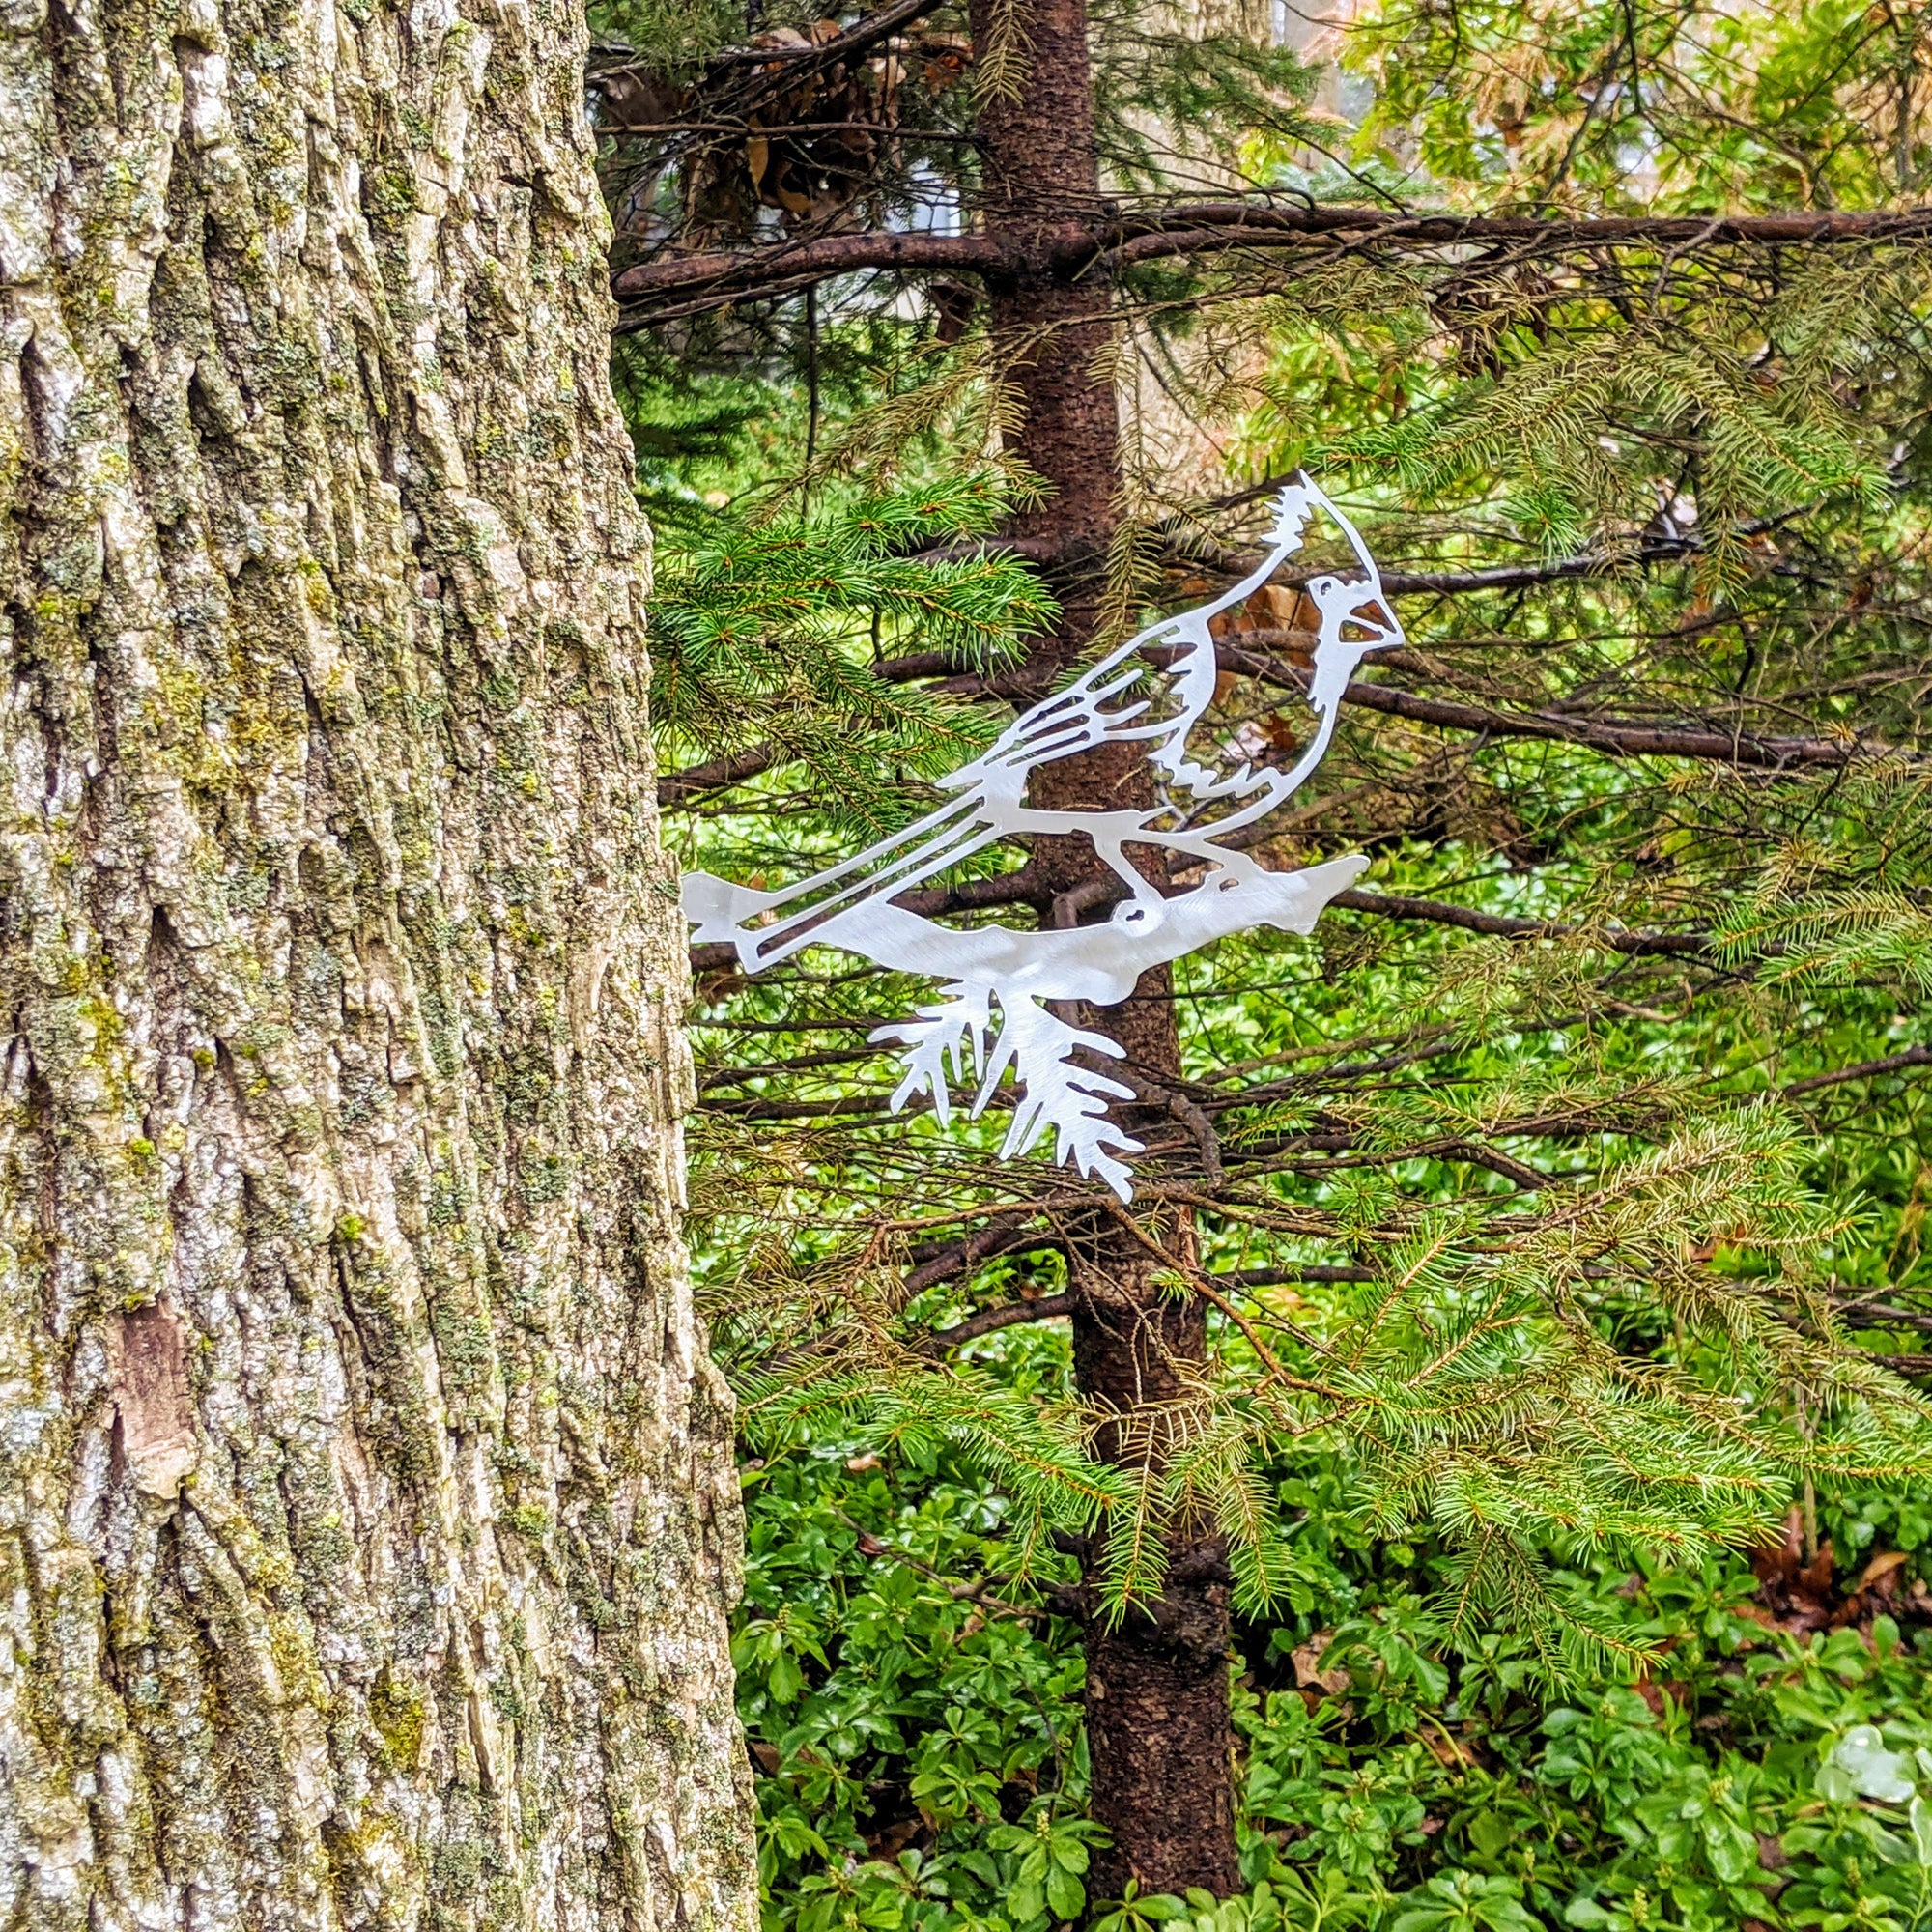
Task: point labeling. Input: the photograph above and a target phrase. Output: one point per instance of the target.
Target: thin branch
(675, 789)
(1270, 1361)
(1386, 905)
(1892, 1062)
(856, 39)
(1004, 1235)
(779, 131)
(1009, 1315)
(733, 1077)
(1620, 737)
(1246, 223)
(1523, 1176)
(1290, 1277)
(1190, 555)
(1184, 1110)
(730, 275)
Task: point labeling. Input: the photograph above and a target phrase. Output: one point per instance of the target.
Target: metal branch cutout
(1024, 975)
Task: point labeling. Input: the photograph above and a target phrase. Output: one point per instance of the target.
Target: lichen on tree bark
(366, 1515)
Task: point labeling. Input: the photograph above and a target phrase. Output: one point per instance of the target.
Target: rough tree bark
(366, 1517)
(1158, 1724)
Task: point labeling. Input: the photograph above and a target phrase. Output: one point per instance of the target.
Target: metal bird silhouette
(849, 904)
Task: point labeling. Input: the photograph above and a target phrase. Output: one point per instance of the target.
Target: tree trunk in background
(1158, 1728)
(367, 1522)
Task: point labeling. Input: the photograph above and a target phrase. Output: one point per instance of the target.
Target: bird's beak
(1378, 625)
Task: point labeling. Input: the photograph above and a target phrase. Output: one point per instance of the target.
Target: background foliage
(1570, 1189)
(919, 1733)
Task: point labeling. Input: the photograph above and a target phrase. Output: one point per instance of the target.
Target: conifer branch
(1865, 1070)
(1184, 550)
(718, 278)
(1437, 912)
(989, 1321)
(1006, 1233)
(1620, 737)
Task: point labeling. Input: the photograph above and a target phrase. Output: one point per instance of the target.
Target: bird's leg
(1234, 864)
(1109, 848)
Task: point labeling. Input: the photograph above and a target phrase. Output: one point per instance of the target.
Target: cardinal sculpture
(850, 905)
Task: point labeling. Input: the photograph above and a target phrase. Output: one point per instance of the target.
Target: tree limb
(855, 39)
(675, 788)
(729, 275)
(1001, 1236)
(1386, 905)
(1621, 737)
(1649, 547)
(1288, 1277)
(1183, 1109)
(1068, 248)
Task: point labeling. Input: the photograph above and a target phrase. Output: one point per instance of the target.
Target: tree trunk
(366, 1514)
(1158, 1729)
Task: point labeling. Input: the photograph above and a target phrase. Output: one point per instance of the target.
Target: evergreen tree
(1532, 1187)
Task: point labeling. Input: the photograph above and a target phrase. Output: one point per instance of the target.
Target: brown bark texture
(367, 1522)
(1159, 1732)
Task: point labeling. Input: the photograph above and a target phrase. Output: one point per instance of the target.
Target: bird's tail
(769, 927)
(1292, 902)
(719, 910)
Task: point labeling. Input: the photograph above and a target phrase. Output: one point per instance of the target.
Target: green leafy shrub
(915, 1718)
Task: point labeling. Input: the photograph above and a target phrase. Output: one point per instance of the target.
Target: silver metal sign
(1153, 690)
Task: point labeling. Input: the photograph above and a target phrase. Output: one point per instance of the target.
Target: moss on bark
(366, 1517)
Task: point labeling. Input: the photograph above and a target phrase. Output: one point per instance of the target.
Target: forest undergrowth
(915, 1722)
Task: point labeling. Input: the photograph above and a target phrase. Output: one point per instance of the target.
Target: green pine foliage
(1559, 1252)
(760, 624)
(1842, 900)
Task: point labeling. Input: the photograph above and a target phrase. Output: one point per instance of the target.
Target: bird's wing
(1096, 709)
(1100, 707)
(767, 926)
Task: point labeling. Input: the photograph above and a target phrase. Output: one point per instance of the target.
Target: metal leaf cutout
(999, 986)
